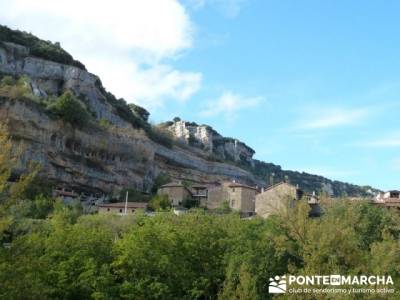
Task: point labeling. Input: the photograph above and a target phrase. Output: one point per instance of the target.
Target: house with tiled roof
(281, 196)
(239, 196)
(176, 192)
(121, 208)
(388, 199)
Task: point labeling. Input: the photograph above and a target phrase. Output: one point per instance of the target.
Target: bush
(190, 203)
(139, 111)
(70, 110)
(160, 136)
(159, 202)
(7, 80)
(104, 123)
(15, 88)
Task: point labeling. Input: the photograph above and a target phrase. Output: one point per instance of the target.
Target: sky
(312, 86)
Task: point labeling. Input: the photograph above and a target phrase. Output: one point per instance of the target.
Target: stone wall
(176, 194)
(275, 199)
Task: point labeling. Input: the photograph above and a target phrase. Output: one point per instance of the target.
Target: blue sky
(310, 85)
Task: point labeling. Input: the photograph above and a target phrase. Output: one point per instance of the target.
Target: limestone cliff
(128, 152)
(209, 140)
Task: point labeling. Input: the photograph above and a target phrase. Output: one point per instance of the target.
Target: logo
(277, 285)
(340, 284)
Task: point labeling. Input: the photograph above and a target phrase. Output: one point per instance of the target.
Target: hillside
(87, 139)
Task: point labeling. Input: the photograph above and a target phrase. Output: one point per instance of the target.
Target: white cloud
(125, 42)
(332, 117)
(228, 104)
(229, 8)
(385, 141)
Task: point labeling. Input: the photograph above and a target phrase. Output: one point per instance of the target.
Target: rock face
(120, 156)
(209, 140)
(104, 159)
(86, 159)
(92, 158)
(51, 78)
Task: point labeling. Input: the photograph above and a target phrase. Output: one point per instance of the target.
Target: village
(248, 201)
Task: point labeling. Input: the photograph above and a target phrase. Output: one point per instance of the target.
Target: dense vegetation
(49, 250)
(37, 47)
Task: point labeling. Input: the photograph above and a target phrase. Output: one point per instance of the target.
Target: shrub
(160, 136)
(104, 123)
(7, 80)
(15, 89)
(70, 110)
(190, 203)
(159, 202)
(139, 111)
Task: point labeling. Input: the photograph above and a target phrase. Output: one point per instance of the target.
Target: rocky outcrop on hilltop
(117, 148)
(209, 140)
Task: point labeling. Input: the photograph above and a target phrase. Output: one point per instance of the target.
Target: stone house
(240, 197)
(388, 199)
(280, 197)
(176, 192)
(200, 194)
(119, 208)
(382, 196)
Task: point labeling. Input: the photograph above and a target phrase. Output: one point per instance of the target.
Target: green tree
(139, 111)
(70, 110)
(159, 202)
(160, 180)
(170, 257)
(41, 207)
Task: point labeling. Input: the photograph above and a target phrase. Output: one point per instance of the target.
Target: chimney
(287, 179)
(271, 179)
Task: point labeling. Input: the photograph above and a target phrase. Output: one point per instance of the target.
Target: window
(233, 202)
(120, 210)
(108, 209)
(394, 195)
(233, 190)
(133, 210)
